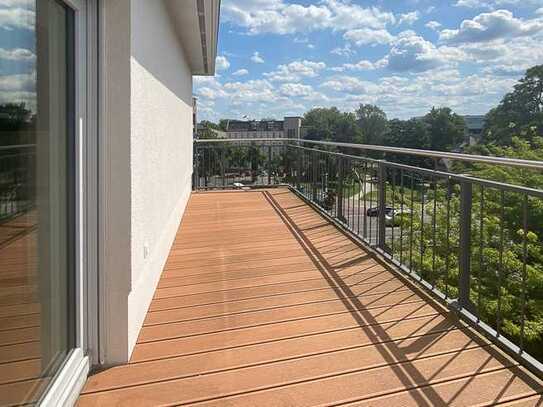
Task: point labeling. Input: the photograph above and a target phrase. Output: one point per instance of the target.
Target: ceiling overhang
(197, 25)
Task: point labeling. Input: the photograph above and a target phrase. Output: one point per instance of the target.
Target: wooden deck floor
(21, 376)
(264, 303)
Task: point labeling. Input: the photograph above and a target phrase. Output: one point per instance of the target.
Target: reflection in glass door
(36, 196)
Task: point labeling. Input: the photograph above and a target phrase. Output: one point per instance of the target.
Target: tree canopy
(372, 122)
(519, 113)
(331, 124)
(445, 128)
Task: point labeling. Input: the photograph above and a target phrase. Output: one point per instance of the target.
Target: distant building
(474, 129)
(289, 127)
(203, 131)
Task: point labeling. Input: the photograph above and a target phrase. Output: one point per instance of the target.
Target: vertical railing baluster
(448, 237)
(524, 261)
(372, 206)
(411, 231)
(393, 205)
(339, 187)
(434, 241)
(269, 163)
(481, 250)
(196, 159)
(348, 170)
(382, 205)
(364, 183)
(421, 240)
(464, 255)
(358, 201)
(402, 195)
(500, 264)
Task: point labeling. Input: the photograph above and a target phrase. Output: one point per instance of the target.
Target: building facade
(96, 167)
(474, 128)
(289, 127)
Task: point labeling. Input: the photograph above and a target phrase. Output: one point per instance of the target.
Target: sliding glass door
(37, 196)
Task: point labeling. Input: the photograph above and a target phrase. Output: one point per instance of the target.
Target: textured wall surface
(161, 149)
(147, 162)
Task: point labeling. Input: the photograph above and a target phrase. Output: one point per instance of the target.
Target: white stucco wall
(161, 149)
(147, 162)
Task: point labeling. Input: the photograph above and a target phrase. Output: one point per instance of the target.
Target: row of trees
(440, 129)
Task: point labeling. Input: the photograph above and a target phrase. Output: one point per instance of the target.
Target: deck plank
(263, 302)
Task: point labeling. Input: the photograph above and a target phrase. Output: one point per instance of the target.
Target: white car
(392, 218)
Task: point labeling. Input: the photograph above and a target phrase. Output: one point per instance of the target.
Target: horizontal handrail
(511, 162)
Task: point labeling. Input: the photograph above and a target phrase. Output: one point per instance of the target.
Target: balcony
(286, 296)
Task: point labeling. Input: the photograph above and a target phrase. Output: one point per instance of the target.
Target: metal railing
(17, 172)
(472, 243)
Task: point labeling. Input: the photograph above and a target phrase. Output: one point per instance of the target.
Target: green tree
(519, 111)
(223, 124)
(411, 133)
(331, 124)
(445, 127)
(372, 122)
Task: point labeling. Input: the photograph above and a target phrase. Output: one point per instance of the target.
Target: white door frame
(70, 379)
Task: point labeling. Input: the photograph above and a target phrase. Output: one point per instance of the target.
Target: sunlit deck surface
(21, 376)
(263, 302)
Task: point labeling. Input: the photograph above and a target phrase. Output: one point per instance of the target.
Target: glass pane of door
(36, 196)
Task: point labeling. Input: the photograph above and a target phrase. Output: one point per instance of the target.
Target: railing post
(339, 189)
(464, 255)
(381, 205)
(298, 171)
(314, 177)
(196, 161)
(269, 163)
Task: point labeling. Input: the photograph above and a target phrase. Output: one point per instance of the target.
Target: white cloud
(279, 17)
(365, 36)
(345, 51)
(433, 25)
(259, 90)
(17, 54)
(412, 53)
(18, 82)
(256, 58)
(12, 18)
(350, 85)
(494, 4)
(409, 18)
(491, 26)
(208, 87)
(19, 88)
(28, 4)
(241, 72)
(296, 70)
(362, 65)
(505, 57)
(297, 90)
(222, 63)
(539, 11)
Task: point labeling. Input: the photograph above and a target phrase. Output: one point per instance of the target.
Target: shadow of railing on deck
(400, 358)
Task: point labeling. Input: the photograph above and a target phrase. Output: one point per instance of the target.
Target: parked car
(393, 217)
(372, 212)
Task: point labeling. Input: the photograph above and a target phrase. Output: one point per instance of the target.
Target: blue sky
(283, 57)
